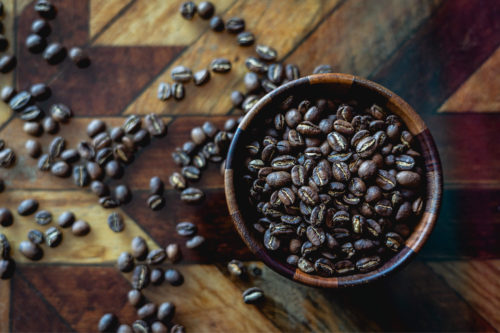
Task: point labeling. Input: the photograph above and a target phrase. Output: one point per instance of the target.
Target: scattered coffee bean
(266, 52)
(192, 195)
(56, 147)
(135, 297)
(36, 236)
(50, 125)
(177, 181)
(80, 228)
(158, 327)
(115, 222)
(7, 268)
(60, 113)
(174, 277)
(188, 9)
(177, 329)
(178, 91)
(155, 202)
(30, 250)
(140, 277)
(206, 9)
(235, 25)
(44, 163)
(186, 229)
(43, 217)
(245, 38)
(81, 176)
(107, 323)
(35, 43)
(201, 77)
(40, 27)
(66, 219)
(139, 248)
(6, 217)
(155, 125)
(220, 65)
(7, 63)
(181, 74)
(7, 158)
(53, 236)
(173, 252)
(54, 53)
(8, 92)
(108, 202)
(156, 257)
(166, 312)
(31, 113)
(253, 295)
(125, 262)
(114, 169)
(27, 207)
(60, 169)
(236, 268)
(45, 9)
(256, 65)
(322, 69)
(123, 194)
(95, 127)
(140, 326)
(164, 91)
(124, 328)
(217, 24)
(79, 57)
(195, 242)
(147, 310)
(20, 101)
(157, 276)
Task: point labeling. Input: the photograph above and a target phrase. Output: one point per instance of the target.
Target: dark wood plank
(443, 53)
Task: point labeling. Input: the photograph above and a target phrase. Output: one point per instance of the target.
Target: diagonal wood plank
(102, 12)
(362, 35)
(477, 282)
(5, 288)
(261, 17)
(8, 78)
(100, 245)
(480, 93)
(156, 23)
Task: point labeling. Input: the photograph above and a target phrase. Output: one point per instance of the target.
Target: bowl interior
(346, 87)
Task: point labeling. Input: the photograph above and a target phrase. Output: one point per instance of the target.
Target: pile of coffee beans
(337, 185)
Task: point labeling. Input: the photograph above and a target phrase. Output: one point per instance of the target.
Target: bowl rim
(433, 171)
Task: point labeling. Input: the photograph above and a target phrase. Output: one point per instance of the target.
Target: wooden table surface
(441, 56)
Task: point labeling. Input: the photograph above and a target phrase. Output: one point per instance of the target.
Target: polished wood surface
(440, 56)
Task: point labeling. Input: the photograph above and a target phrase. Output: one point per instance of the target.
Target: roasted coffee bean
(156, 257)
(53, 236)
(124, 328)
(318, 214)
(60, 169)
(251, 81)
(107, 323)
(404, 162)
(8, 92)
(249, 103)
(125, 262)
(30, 250)
(201, 77)
(181, 74)
(408, 179)
(99, 188)
(271, 242)
(245, 38)
(324, 267)
(164, 91)
(337, 142)
(320, 176)
(256, 65)
(113, 168)
(115, 222)
(198, 135)
(139, 248)
(322, 69)
(195, 242)
(156, 186)
(123, 194)
(31, 113)
(43, 217)
(266, 52)
(217, 24)
(20, 101)
(66, 219)
(70, 156)
(95, 171)
(298, 175)
(341, 172)
(368, 264)
(147, 310)
(27, 207)
(237, 98)
(393, 241)
(220, 65)
(132, 124)
(174, 277)
(95, 127)
(236, 268)
(253, 295)
(417, 206)
(278, 178)
(191, 173)
(385, 180)
(206, 9)
(33, 128)
(35, 43)
(140, 326)
(33, 148)
(40, 27)
(235, 25)
(141, 138)
(305, 265)
(80, 228)
(181, 158)
(186, 229)
(173, 252)
(155, 202)
(4, 247)
(308, 195)
(192, 195)
(383, 208)
(292, 260)
(60, 113)
(315, 235)
(404, 211)
(140, 277)
(6, 217)
(135, 297)
(79, 57)
(56, 147)
(367, 169)
(54, 53)
(188, 9)
(36, 236)
(7, 63)
(166, 312)
(86, 151)
(177, 181)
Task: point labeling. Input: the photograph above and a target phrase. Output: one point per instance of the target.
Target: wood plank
(102, 12)
(480, 92)
(443, 54)
(8, 78)
(88, 293)
(208, 302)
(5, 287)
(477, 282)
(155, 23)
(100, 245)
(361, 35)
(25, 174)
(213, 98)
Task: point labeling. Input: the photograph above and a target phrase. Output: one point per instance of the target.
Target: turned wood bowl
(347, 87)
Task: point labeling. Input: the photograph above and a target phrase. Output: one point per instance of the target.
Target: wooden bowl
(350, 87)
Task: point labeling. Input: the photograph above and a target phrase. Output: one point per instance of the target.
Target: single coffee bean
(217, 24)
(6, 217)
(81, 176)
(192, 195)
(187, 10)
(201, 77)
(245, 38)
(236, 268)
(98, 188)
(40, 27)
(186, 229)
(385, 180)
(139, 248)
(235, 25)
(209, 129)
(291, 72)
(206, 9)
(60, 169)
(181, 74)
(66, 219)
(236, 99)
(195, 242)
(44, 162)
(156, 186)
(140, 277)
(253, 295)
(7, 93)
(27, 207)
(115, 222)
(107, 323)
(123, 194)
(305, 265)
(94, 170)
(60, 113)
(114, 169)
(35, 43)
(33, 148)
(157, 276)
(164, 91)
(36, 236)
(166, 312)
(177, 329)
(178, 91)
(177, 181)
(30, 250)
(322, 69)
(155, 202)
(220, 65)
(173, 252)
(95, 127)
(408, 179)
(53, 236)
(141, 138)
(132, 124)
(135, 297)
(4, 247)
(125, 262)
(20, 101)
(50, 125)
(191, 173)
(124, 328)
(266, 52)
(80, 228)
(147, 310)
(56, 147)
(79, 57)
(383, 208)
(174, 277)
(43, 217)
(368, 264)
(256, 65)
(156, 257)
(7, 63)
(54, 53)
(31, 113)
(140, 326)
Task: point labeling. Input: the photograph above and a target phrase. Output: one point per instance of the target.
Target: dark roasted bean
(220, 65)
(140, 277)
(8, 92)
(27, 207)
(155, 202)
(36, 236)
(43, 217)
(53, 236)
(107, 323)
(115, 222)
(235, 25)
(54, 53)
(4, 247)
(66, 219)
(6, 217)
(253, 295)
(201, 77)
(256, 65)
(60, 113)
(80, 228)
(20, 101)
(156, 257)
(33, 148)
(322, 69)
(174, 277)
(245, 38)
(7, 63)
(79, 57)
(164, 91)
(188, 9)
(30, 250)
(181, 74)
(217, 24)
(195, 242)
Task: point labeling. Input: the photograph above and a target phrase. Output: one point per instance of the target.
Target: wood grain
(102, 12)
(8, 78)
(476, 282)
(4, 306)
(480, 92)
(100, 245)
(213, 99)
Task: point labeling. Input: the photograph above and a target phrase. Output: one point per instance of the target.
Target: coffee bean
(253, 295)
(4, 247)
(220, 65)
(8, 92)
(178, 91)
(20, 101)
(79, 57)
(115, 222)
(235, 25)
(206, 9)
(6, 217)
(35, 43)
(315, 235)
(44, 163)
(201, 77)
(191, 173)
(36, 236)
(147, 310)
(81, 176)
(135, 297)
(124, 328)
(43, 217)
(31, 113)
(7, 63)
(140, 277)
(94, 170)
(27, 207)
(123, 194)
(60, 169)
(99, 188)
(305, 265)
(113, 168)
(322, 69)
(385, 180)
(217, 24)
(292, 72)
(139, 248)
(256, 65)
(181, 74)
(164, 91)
(107, 323)
(30, 250)
(383, 208)
(66, 219)
(80, 228)
(40, 27)
(187, 10)
(140, 326)
(155, 202)
(53, 236)
(245, 38)
(195, 242)
(166, 312)
(45, 9)
(368, 264)
(60, 113)
(95, 127)
(408, 179)
(186, 229)
(33, 128)
(54, 53)
(192, 195)
(56, 147)
(174, 277)
(156, 257)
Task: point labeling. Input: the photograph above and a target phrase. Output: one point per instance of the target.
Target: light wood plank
(156, 22)
(262, 17)
(476, 281)
(480, 93)
(102, 11)
(100, 245)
